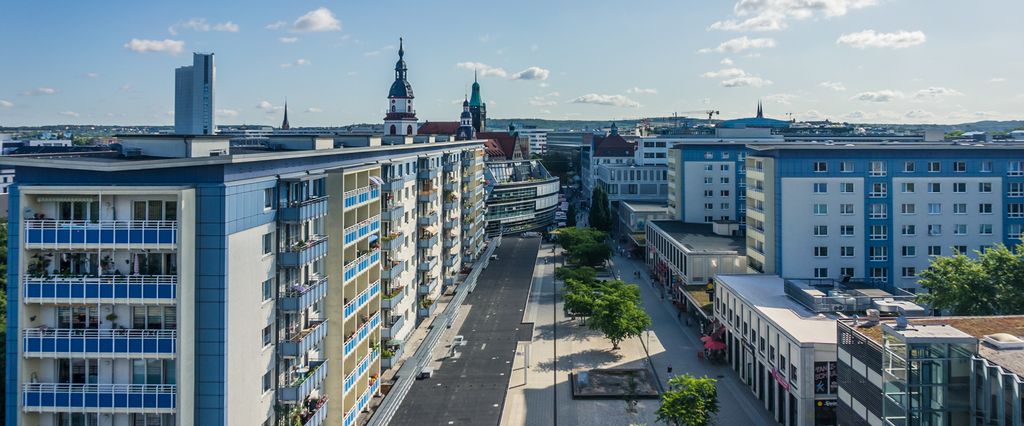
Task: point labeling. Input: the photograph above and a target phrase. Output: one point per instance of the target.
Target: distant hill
(502, 123)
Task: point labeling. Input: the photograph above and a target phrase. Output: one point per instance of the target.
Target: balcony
(362, 229)
(391, 242)
(361, 196)
(78, 233)
(428, 173)
(303, 252)
(300, 296)
(396, 183)
(301, 211)
(427, 242)
(387, 361)
(427, 220)
(361, 334)
(315, 413)
(426, 308)
(389, 301)
(361, 300)
(451, 262)
(393, 213)
(304, 340)
(449, 281)
(451, 186)
(61, 397)
(102, 289)
(306, 380)
(449, 167)
(106, 343)
(427, 264)
(360, 264)
(389, 331)
(393, 271)
(450, 205)
(427, 196)
(364, 400)
(450, 242)
(361, 368)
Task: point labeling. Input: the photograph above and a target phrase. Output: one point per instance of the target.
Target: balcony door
(77, 371)
(78, 210)
(155, 210)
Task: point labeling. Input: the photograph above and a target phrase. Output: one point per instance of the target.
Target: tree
(600, 216)
(590, 253)
(583, 274)
(992, 284)
(690, 401)
(570, 216)
(617, 313)
(570, 238)
(578, 299)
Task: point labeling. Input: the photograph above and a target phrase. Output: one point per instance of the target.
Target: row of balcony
(361, 368)
(297, 211)
(303, 252)
(361, 334)
(361, 300)
(356, 232)
(74, 233)
(360, 196)
(364, 399)
(304, 340)
(50, 397)
(361, 263)
(299, 296)
(306, 380)
(101, 289)
(95, 343)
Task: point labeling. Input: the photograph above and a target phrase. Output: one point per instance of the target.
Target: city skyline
(846, 60)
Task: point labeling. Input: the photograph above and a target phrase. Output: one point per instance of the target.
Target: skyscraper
(193, 96)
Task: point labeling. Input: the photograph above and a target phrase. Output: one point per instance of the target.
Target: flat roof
(646, 206)
(766, 294)
(699, 237)
(888, 146)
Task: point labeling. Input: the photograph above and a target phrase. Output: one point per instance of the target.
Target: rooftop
(645, 206)
(765, 293)
(699, 237)
(893, 145)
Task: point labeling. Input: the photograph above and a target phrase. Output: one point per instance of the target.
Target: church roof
(503, 141)
(439, 128)
(757, 121)
(475, 99)
(613, 145)
(401, 87)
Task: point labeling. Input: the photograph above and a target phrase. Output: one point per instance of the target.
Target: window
(268, 198)
(934, 230)
(846, 251)
(880, 274)
(709, 206)
(879, 232)
(908, 230)
(1015, 168)
(846, 209)
(724, 167)
(820, 209)
(724, 206)
(268, 335)
(934, 208)
(846, 167)
(908, 208)
(724, 193)
(934, 167)
(877, 168)
(1016, 189)
(909, 271)
(1015, 210)
(723, 180)
(878, 189)
(820, 230)
(908, 167)
(708, 180)
(820, 251)
(934, 187)
(268, 290)
(268, 381)
(820, 167)
(820, 188)
(960, 229)
(1013, 231)
(960, 208)
(709, 193)
(846, 271)
(725, 155)
(985, 208)
(709, 218)
(268, 243)
(985, 229)
(959, 187)
(820, 273)
(960, 249)
(708, 155)
(935, 250)
(878, 211)
(846, 230)
(709, 167)
(907, 187)
(846, 187)
(985, 167)
(909, 251)
(984, 187)
(959, 166)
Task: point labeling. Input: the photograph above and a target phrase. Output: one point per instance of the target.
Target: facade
(633, 182)
(879, 211)
(194, 96)
(684, 256)
(538, 139)
(634, 215)
(980, 359)
(706, 182)
(522, 196)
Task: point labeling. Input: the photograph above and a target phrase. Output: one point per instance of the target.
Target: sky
(893, 61)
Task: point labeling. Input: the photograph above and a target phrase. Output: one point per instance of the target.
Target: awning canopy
(430, 228)
(376, 180)
(65, 198)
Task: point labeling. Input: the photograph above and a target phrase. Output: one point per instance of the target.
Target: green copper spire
(475, 99)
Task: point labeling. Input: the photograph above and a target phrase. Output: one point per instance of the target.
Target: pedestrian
(670, 369)
(679, 315)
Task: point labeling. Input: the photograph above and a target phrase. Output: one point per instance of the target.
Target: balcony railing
(450, 242)
(361, 334)
(358, 231)
(390, 361)
(304, 340)
(427, 242)
(389, 301)
(428, 173)
(364, 399)
(361, 263)
(393, 213)
(301, 296)
(362, 195)
(306, 380)
(427, 196)
(106, 232)
(50, 397)
(392, 271)
(428, 219)
(61, 342)
(303, 252)
(300, 211)
(391, 330)
(361, 368)
(144, 288)
(426, 311)
(391, 242)
(318, 417)
(361, 300)
(451, 262)
(427, 264)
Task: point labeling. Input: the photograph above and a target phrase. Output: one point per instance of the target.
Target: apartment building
(706, 181)
(184, 281)
(879, 211)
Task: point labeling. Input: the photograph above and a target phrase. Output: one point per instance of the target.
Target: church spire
(285, 125)
(760, 112)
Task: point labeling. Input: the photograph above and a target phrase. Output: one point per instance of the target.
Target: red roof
(493, 150)
(504, 141)
(613, 146)
(439, 128)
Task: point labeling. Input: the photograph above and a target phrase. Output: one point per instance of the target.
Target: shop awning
(65, 198)
(376, 180)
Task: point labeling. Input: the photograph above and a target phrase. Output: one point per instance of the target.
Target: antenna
(711, 113)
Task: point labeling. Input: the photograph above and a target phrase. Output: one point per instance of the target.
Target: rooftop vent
(1004, 341)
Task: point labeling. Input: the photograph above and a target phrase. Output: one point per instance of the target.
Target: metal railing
(48, 396)
(102, 287)
(57, 232)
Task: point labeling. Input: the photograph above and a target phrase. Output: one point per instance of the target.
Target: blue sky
(908, 61)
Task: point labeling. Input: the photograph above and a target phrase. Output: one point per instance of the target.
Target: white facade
(809, 251)
(538, 139)
(194, 96)
(709, 189)
(652, 151)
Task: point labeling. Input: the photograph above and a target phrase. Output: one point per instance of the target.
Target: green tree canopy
(586, 246)
(689, 401)
(617, 312)
(600, 216)
(992, 284)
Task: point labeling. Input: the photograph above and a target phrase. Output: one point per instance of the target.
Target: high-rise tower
(194, 96)
(401, 117)
(477, 107)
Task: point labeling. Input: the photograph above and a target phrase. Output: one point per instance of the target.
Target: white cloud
(870, 38)
(772, 15)
(532, 73)
(780, 98)
(997, 80)
(879, 96)
(321, 19)
(92, 75)
(200, 24)
(171, 47)
(39, 91)
(297, 63)
(763, 22)
(752, 81)
(640, 90)
(287, 40)
(834, 85)
(313, 110)
(740, 44)
(70, 114)
(725, 73)
(540, 101)
(269, 107)
(483, 70)
(6, 103)
(607, 100)
(276, 25)
(227, 112)
(935, 93)
(726, 61)
(918, 114)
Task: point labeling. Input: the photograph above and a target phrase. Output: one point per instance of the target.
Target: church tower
(478, 108)
(465, 131)
(401, 117)
(284, 124)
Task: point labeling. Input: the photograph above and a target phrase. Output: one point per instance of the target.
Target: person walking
(670, 369)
